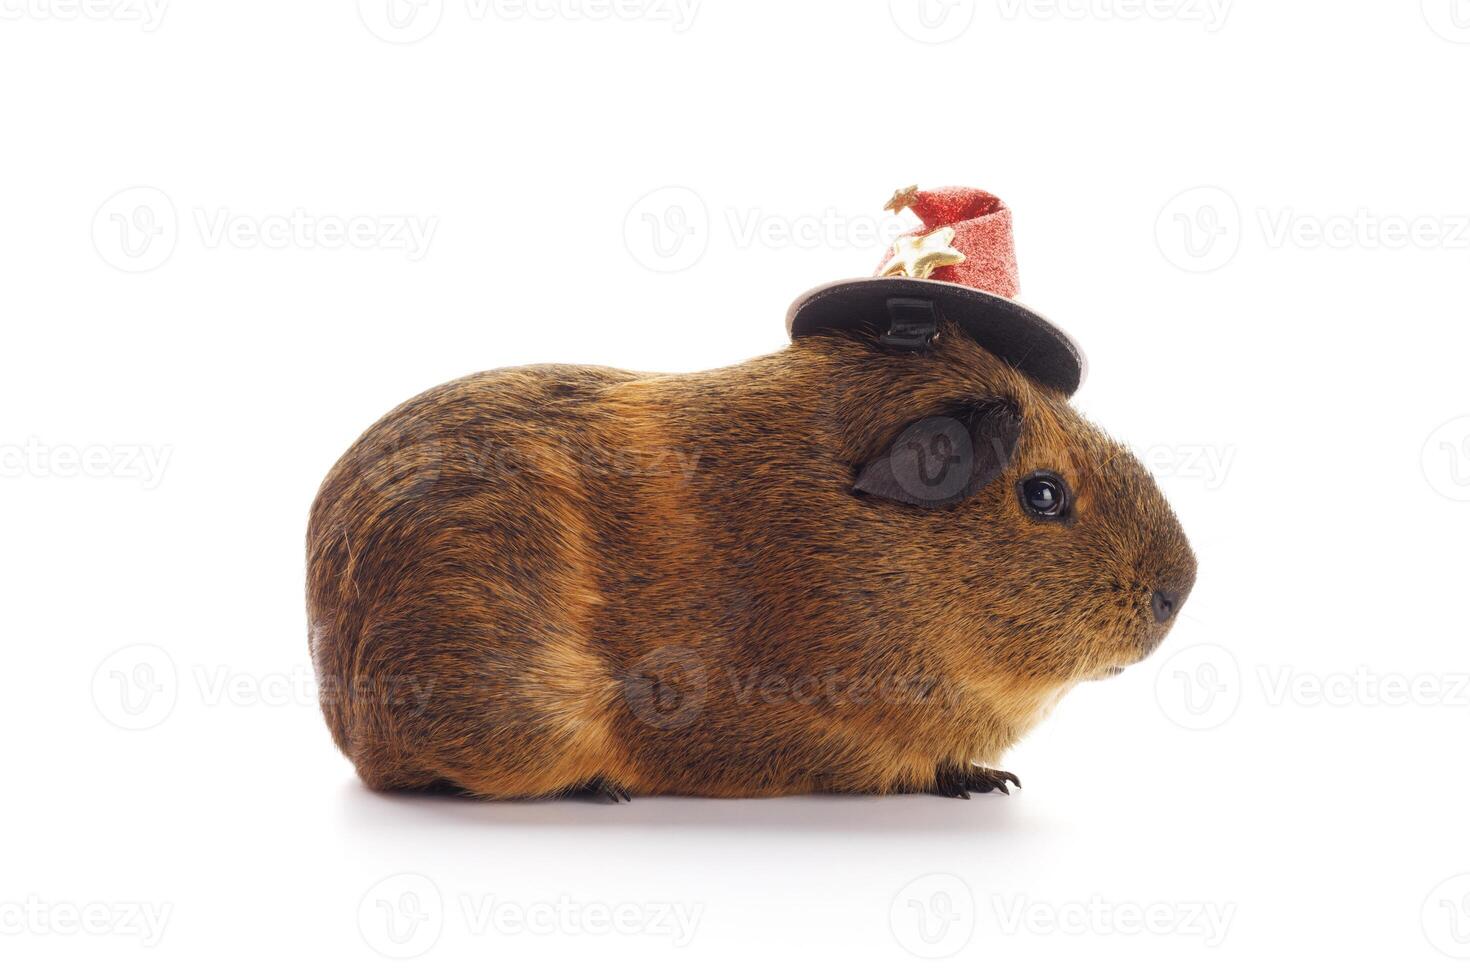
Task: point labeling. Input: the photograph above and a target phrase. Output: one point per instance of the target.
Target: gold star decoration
(917, 256)
(902, 198)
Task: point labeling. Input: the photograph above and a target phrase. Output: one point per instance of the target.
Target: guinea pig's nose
(1165, 603)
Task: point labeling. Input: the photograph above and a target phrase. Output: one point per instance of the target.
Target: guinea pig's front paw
(958, 782)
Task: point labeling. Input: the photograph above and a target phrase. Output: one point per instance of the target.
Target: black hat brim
(1016, 334)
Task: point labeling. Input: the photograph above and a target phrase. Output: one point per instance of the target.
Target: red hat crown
(981, 226)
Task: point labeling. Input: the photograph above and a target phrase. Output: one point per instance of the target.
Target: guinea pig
(840, 567)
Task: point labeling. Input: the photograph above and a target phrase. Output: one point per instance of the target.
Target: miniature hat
(958, 265)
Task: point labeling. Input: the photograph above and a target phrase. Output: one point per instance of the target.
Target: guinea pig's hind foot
(958, 782)
(604, 788)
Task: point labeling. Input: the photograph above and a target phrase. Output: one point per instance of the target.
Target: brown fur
(534, 579)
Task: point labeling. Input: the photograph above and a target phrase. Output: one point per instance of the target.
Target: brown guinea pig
(835, 568)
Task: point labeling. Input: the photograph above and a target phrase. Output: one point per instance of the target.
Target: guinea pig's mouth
(1127, 651)
(1143, 653)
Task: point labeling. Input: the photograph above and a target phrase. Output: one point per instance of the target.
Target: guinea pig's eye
(1045, 495)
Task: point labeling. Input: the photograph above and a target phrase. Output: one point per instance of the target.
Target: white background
(1252, 215)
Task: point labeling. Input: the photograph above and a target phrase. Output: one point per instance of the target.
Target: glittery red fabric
(982, 231)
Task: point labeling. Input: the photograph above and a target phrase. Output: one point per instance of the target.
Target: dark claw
(958, 783)
(995, 779)
(611, 790)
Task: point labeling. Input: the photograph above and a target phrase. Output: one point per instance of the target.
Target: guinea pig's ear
(942, 459)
